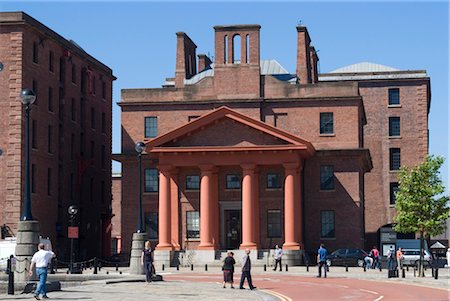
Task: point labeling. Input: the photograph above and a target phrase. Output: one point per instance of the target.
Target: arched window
(237, 49)
(225, 49)
(247, 51)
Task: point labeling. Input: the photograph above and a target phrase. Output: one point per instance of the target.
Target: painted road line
(278, 295)
(367, 291)
(379, 298)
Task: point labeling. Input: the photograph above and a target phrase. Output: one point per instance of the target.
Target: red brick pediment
(226, 128)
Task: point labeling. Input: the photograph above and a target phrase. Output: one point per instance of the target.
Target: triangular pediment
(227, 128)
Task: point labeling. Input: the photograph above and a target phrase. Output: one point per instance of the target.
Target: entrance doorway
(232, 228)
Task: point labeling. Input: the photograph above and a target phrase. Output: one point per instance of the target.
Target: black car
(347, 257)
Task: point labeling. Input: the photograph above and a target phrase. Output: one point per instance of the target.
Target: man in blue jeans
(40, 260)
(322, 260)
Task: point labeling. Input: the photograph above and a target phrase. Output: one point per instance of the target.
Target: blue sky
(137, 40)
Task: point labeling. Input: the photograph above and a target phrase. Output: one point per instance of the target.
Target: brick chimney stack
(186, 65)
(203, 62)
(303, 55)
(314, 59)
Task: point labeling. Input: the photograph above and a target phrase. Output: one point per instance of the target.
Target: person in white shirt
(448, 257)
(40, 260)
(277, 256)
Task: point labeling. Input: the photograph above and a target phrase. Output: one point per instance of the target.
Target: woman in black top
(228, 269)
(147, 260)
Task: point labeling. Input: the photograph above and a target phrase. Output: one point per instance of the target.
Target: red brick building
(70, 129)
(243, 154)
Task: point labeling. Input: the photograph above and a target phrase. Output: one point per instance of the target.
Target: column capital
(249, 167)
(204, 168)
(293, 166)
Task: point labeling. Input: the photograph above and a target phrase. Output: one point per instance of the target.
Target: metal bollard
(107, 272)
(414, 272)
(100, 266)
(307, 268)
(328, 268)
(206, 267)
(286, 268)
(178, 267)
(95, 265)
(117, 267)
(162, 267)
(265, 268)
(436, 274)
(364, 267)
(192, 267)
(407, 268)
(346, 268)
(10, 276)
(403, 273)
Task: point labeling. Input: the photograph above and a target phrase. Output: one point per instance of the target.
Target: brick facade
(70, 129)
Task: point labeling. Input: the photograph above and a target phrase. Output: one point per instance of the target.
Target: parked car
(347, 257)
(411, 257)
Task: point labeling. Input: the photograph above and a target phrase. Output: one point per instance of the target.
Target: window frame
(278, 175)
(151, 224)
(323, 181)
(151, 131)
(231, 184)
(393, 188)
(192, 226)
(394, 101)
(326, 121)
(322, 224)
(272, 232)
(151, 181)
(393, 152)
(394, 127)
(192, 188)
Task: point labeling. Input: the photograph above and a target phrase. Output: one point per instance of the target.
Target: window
(394, 126)
(394, 96)
(92, 149)
(49, 181)
(273, 181)
(35, 90)
(33, 178)
(103, 122)
(103, 156)
(326, 177)
(233, 182)
(192, 182)
(151, 127)
(394, 159)
(50, 138)
(151, 180)
(62, 69)
(326, 123)
(327, 224)
(92, 118)
(50, 61)
(35, 53)
(72, 109)
(103, 90)
(193, 224)
(151, 224)
(72, 146)
(273, 223)
(34, 134)
(393, 189)
(74, 73)
(83, 81)
(50, 99)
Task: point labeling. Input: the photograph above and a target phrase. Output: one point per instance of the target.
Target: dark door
(232, 228)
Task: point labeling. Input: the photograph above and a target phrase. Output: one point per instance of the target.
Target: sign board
(72, 232)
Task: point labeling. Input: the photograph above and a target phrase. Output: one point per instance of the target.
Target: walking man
(277, 256)
(322, 261)
(399, 256)
(40, 260)
(390, 256)
(246, 267)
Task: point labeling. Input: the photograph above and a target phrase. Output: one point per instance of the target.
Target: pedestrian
(228, 269)
(368, 261)
(399, 256)
(322, 260)
(390, 257)
(246, 267)
(40, 260)
(147, 261)
(277, 256)
(448, 257)
(376, 257)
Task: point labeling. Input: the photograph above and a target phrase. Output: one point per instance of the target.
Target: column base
(164, 247)
(206, 246)
(176, 247)
(137, 245)
(248, 245)
(293, 257)
(292, 246)
(27, 241)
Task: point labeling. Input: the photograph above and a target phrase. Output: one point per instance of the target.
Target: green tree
(421, 206)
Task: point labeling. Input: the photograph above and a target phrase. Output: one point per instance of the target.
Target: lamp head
(28, 96)
(140, 147)
(72, 210)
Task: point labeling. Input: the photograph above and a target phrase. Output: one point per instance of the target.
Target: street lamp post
(140, 236)
(27, 228)
(72, 210)
(28, 97)
(140, 147)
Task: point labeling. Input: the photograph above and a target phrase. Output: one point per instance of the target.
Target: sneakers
(45, 297)
(253, 288)
(37, 297)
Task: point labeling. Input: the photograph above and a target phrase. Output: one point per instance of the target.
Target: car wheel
(328, 262)
(360, 263)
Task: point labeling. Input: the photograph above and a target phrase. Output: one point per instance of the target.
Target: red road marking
(309, 288)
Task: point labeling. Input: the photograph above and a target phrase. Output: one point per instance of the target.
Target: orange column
(215, 210)
(291, 201)
(164, 222)
(257, 217)
(175, 209)
(205, 208)
(248, 215)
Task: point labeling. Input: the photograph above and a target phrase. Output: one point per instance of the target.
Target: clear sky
(137, 39)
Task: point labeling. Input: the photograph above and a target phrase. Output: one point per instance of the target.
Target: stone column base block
(137, 245)
(27, 241)
(293, 257)
(161, 257)
(250, 245)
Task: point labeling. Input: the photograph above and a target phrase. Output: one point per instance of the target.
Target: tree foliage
(420, 203)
